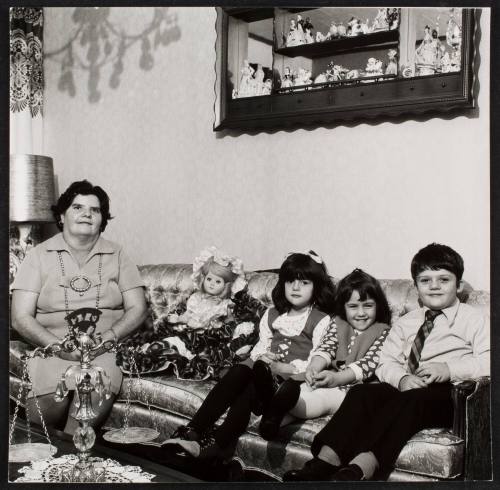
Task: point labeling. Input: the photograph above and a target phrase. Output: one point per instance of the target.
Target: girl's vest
(298, 346)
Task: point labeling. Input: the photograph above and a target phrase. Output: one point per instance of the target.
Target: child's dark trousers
(379, 418)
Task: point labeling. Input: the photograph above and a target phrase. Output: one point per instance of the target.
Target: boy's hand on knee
(434, 372)
(410, 382)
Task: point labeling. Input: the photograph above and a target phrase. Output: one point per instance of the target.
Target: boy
(427, 350)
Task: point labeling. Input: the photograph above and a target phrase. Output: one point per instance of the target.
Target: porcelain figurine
(320, 37)
(392, 65)
(295, 35)
(246, 87)
(321, 78)
(354, 27)
(341, 29)
(267, 87)
(373, 67)
(380, 23)
(333, 32)
(426, 55)
(365, 26)
(352, 74)
(308, 36)
(393, 17)
(287, 80)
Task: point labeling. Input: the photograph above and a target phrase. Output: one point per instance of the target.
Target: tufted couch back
(169, 284)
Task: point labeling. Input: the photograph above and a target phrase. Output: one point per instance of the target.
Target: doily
(49, 470)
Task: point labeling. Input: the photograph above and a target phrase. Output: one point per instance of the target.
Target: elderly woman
(75, 269)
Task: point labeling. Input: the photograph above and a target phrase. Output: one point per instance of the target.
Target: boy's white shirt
(460, 338)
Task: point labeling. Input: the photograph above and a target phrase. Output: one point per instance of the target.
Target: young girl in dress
(303, 299)
(350, 349)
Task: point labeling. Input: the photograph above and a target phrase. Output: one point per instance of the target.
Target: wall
(364, 196)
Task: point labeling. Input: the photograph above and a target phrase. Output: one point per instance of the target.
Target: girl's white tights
(318, 402)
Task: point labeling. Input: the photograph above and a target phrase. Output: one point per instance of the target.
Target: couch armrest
(471, 423)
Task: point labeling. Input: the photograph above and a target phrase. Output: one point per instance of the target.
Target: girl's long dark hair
(367, 287)
(302, 266)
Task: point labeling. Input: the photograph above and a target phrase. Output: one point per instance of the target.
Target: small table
(64, 444)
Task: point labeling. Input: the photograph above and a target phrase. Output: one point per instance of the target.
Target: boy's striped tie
(418, 343)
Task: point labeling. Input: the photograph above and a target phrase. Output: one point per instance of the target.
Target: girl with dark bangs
(350, 350)
(304, 297)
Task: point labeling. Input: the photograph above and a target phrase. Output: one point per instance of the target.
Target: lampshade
(31, 188)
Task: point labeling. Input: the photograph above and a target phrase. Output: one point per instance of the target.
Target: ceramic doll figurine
(352, 74)
(426, 55)
(393, 17)
(332, 32)
(287, 80)
(364, 27)
(445, 60)
(392, 65)
(321, 78)
(258, 80)
(216, 278)
(380, 23)
(267, 88)
(354, 27)
(320, 37)
(308, 36)
(292, 38)
(301, 37)
(341, 30)
(246, 81)
(373, 67)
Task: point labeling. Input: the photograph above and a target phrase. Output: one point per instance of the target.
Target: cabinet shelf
(364, 42)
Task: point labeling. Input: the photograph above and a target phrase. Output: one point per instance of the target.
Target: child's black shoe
(314, 470)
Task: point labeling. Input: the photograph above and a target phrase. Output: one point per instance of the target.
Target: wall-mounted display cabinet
(278, 67)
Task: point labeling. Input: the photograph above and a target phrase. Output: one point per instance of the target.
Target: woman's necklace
(80, 283)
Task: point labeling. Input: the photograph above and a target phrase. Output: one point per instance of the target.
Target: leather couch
(160, 400)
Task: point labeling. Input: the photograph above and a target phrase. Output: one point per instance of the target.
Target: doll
(216, 278)
(392, 66)
(426, 55)
(246, 81)
(287, 80)
(259, 80)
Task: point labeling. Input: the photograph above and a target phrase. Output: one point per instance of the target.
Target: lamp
(31, 196)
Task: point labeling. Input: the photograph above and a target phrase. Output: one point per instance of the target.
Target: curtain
(26, 80)
(26, 107)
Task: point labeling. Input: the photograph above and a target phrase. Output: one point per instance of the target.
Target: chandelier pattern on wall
(99, 42)
(26, 60)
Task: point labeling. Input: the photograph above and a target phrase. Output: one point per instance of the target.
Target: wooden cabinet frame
(345, 102)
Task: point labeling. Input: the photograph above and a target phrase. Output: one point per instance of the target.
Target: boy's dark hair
(367, 287)
(302, 266)
(82, 188)
(436, 256)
